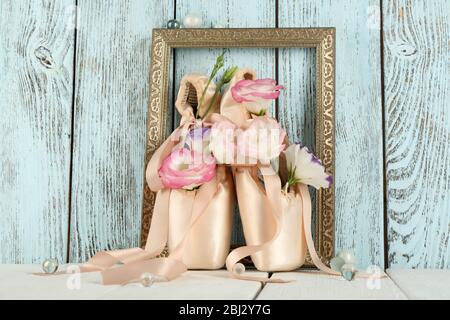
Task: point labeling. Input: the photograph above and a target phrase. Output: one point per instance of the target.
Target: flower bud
(229, 73)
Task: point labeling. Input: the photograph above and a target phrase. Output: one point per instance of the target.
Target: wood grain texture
(111, 92)
(112, 89)
(417, 121)
(36, 63)
(359, 158)
(314, 286)
(228, 14)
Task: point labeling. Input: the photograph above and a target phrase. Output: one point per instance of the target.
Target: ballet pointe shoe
(229, 107)
(288, 251)
(208, 240)
(190, 93)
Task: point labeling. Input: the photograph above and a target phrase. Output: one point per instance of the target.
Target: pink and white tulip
(256, 95)
(304, 167)
(187, 169)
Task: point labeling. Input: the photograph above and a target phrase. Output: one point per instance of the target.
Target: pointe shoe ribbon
(273, 191)
(272, 185)
(303, 190)
(136, 261)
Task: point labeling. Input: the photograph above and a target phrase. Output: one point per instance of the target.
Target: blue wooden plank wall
(73, 100)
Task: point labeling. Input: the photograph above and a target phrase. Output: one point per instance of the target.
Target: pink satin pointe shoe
(288, 250)
(280, 234)
(208, 241)
(190, 93)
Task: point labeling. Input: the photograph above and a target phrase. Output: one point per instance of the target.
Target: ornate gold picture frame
(321, 39)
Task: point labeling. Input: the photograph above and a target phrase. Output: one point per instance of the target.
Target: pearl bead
(336, 263)
(239, 268)
(50, 265)
(147, 279)
(347, 256)
(173, 24)
(348, 271)
(192, 20)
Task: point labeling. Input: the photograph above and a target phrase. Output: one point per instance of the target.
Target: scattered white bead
(50, 265)
(192, 20)
(147, 279)
(347, 256)
(336, 263)
(239, 268)
(348, 271)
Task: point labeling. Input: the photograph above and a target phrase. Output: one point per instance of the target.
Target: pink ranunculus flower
(256, 95)
(221, 141)
(262, 141)
(187, 169)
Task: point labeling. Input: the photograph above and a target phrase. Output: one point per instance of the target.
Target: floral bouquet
(226, 145)
(270, 175)
(232, 133)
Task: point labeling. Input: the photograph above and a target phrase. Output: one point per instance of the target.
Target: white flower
(221, 141)
(304, 167)
(262, 141)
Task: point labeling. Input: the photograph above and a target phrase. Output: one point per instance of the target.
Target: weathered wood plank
(112, 87)
(314, 286)
(359, 159)
(422, 284)
(193, 285)
(417, 121)
(36, 63)
(18, 282)
(232, 14)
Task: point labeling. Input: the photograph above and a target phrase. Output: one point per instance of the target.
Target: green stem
(202, 98)
(291, 178)
(226, 78)
(217, 66)
(218, 89)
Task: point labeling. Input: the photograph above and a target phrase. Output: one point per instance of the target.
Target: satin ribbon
(306, 204)
(272, 185)
(303, 190)
(273, 191)
(136, 261)
(144, 260)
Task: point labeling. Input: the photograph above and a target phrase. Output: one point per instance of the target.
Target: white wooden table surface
(18, 282)
(310, 285)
